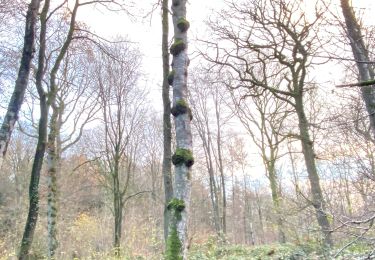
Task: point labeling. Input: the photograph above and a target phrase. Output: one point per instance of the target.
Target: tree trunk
(207, 146)
(248, 216)
(361, 56)
(117, 207)
(22, 79)
(214, 196)
(177, 243)
(276, 199)
(52, 168)
(32, 217)
(309, 155)
(221, 170)
(167, 132)
(261, 221)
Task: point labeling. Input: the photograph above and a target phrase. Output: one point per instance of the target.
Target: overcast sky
(146, 32)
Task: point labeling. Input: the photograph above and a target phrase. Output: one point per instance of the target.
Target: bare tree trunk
(276, 199)
(221, 170)
(213, 186)
(177, 243)
(117, 207)
(32, 217)
(52, 168)
(248, 218)
(261, 221)
(167, 132)
(309, 155)
(46, 99)
(17, 98)
(361, 56)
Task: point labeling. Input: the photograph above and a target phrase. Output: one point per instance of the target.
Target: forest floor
(214, 251)
(279, 252)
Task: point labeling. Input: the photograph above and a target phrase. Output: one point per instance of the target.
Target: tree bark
(46, 100)
(32, 217)
(17, 98)
(309, 156)
(248, 216)
(177, 243)
(221, 169)
(52, 170)
(167, 126)
(276, 199)
(117, 206)
(360, 53)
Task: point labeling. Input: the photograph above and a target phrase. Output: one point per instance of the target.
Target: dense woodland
(257, 141)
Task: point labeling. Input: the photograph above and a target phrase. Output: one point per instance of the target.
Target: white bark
(182, 187)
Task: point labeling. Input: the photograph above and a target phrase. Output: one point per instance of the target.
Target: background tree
(264, 120)
(291, 43)
(123, 112)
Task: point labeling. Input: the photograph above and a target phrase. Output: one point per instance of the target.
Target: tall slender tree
(167, 126)
(47, 100)
(32, 217)
(177, 242)
(17, 98)
(263, 120)
(123, 108)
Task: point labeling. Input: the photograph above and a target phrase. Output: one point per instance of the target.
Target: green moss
(367, 83)
(177, 47)
(181, 107)
(174, 246)
(183, 24)
(183, 156)
(176, 204)
(171, 77)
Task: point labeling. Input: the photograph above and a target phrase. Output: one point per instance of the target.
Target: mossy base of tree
(174, 246)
